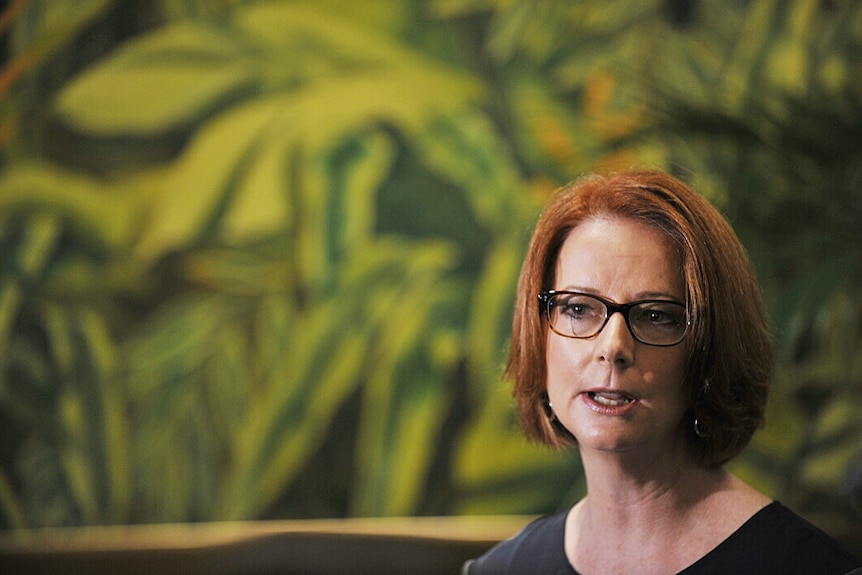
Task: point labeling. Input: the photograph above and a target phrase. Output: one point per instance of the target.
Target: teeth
(610, 399)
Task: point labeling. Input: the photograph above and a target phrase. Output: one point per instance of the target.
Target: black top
(773, 541)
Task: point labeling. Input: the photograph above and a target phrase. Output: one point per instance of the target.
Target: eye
(658, 315)
(578, 307)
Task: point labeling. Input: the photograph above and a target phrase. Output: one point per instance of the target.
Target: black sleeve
(538, 548)
(776, 541)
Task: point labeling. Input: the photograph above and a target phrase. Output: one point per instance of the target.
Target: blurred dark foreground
(310, 547)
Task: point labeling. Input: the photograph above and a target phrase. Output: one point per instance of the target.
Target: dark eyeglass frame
(546, 297)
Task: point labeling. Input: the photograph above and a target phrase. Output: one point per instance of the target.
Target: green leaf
(75, 456)
(113, 433)
(320, 363)
(201, 183)
(46, 26)
(465, 149)
(286, 137)
(404, 403)
(10, 304)
(103, 215)
(10, 504)
(162, 82)
(356, 173)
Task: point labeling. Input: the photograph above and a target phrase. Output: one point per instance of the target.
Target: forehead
(619, 258)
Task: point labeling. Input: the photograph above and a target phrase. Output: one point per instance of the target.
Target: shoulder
(538, 548)
(777, 540)
(801, 538)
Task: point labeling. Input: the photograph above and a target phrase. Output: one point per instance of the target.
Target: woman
(640, 336)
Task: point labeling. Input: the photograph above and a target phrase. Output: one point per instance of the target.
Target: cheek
(678, 365)
(552, 365)
(563, 360)
(667, 373)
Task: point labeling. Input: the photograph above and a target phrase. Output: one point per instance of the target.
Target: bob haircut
(729, 349)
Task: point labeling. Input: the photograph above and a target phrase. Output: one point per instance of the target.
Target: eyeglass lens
(653, 322)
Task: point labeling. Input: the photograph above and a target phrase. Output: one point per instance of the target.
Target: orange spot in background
(556, 141)
(599, 90)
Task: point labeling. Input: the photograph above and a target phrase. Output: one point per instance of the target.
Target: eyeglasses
(579, 315)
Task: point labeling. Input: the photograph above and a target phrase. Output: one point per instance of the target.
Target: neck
(629, 489)
(649, 514)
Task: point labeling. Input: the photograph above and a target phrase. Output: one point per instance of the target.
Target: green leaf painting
(258, 257)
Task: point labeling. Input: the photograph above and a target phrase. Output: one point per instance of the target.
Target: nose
(615, 342)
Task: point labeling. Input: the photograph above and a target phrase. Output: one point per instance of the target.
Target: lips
(610, 398)
(610, 402)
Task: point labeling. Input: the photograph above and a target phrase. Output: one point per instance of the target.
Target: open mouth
(610, 399)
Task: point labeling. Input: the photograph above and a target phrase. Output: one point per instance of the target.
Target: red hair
(730, 352)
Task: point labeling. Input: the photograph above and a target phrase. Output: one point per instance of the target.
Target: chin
(606, 439)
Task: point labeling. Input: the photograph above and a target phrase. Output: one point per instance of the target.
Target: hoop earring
(549, 411)
(698, 428)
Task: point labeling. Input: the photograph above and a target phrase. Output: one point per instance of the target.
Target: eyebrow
(644, 295)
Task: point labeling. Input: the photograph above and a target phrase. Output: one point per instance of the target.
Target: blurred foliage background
(259, 257)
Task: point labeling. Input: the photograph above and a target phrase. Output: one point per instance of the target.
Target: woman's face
(612, 392)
